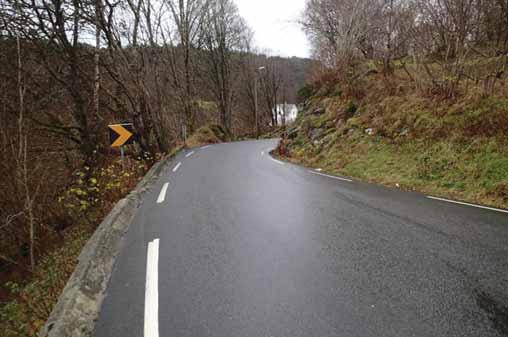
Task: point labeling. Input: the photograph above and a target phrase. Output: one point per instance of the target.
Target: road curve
(252, 247)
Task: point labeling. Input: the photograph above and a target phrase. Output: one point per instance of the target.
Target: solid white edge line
(277, 161)
(205, 147)
(467, 204)
(189, 154)
(177, 167)
(329, 176)
(162, 195)
(151, 324)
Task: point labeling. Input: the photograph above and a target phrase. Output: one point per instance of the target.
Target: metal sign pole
(122, 155)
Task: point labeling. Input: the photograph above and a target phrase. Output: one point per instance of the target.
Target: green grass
(442, 168)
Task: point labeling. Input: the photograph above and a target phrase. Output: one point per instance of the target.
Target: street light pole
(256, 99)
(256, 103)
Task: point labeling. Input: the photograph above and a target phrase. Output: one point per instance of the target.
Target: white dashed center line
(151, 327)
(177, 167)
(467, 204)
(162, 195)
(329, 176)
(189, 154)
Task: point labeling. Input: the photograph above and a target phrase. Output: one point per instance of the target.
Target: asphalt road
(252, 247)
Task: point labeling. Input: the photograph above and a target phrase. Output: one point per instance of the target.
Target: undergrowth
(25, 315)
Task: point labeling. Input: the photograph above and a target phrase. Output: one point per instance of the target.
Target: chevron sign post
(121, 134)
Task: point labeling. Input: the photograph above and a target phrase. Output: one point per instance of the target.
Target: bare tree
(55, 27)
(188, 16)
(26, 168)
(134, 69)
(224, 35)
(272, 81)
(339, 29)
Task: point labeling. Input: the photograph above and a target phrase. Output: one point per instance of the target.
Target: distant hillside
(299, 72)
(296, 71)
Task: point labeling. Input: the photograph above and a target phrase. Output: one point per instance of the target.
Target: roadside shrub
(97, 190)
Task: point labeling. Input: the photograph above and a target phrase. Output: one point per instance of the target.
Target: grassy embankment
(386, 131)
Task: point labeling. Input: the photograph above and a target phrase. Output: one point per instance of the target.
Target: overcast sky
(274, 25)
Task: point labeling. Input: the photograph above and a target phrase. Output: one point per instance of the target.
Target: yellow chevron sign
(121, 134)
